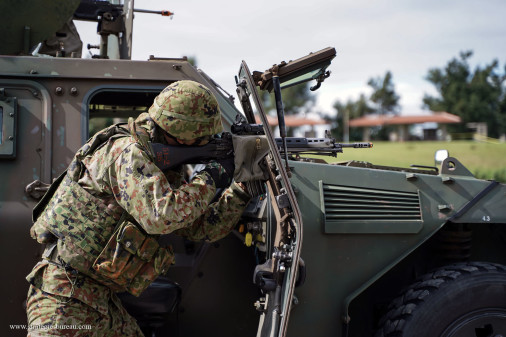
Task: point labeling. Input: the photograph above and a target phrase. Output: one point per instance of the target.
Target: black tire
(461, 300)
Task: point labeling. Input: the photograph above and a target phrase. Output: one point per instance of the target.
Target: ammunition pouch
(132, 259)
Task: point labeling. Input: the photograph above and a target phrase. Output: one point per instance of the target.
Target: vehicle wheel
(461, 300)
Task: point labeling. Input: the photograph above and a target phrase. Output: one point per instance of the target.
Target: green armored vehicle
(349, 249)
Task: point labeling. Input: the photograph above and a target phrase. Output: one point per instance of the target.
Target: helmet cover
(187, 110)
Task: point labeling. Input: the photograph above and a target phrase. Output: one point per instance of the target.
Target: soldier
(101, 218)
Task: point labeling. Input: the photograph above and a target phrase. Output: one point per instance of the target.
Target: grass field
(484, 160)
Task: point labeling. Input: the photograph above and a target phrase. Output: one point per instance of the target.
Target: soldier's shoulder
(128, 146)
(109, 152)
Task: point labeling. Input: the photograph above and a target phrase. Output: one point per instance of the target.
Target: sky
(406, 37)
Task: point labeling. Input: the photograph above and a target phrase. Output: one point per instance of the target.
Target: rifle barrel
(361, 145)
(296, 143)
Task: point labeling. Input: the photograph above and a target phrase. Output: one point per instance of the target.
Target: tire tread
(401, 308)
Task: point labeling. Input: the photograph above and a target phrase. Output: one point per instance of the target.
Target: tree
(296, 99)
(350, 110)
(192, 60)
(385, 101)
(477, 96)
(384, 96)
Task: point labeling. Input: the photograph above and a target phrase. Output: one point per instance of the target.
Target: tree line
(477, 95)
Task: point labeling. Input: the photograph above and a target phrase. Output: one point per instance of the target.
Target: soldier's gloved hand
(219, 174)
(228, 164)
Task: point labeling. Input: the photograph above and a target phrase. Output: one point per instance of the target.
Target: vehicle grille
(362, 204)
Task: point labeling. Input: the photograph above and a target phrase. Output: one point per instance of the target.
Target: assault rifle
(221, 146)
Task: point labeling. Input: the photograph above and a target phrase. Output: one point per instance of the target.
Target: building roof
(294, 121)
(434, 117)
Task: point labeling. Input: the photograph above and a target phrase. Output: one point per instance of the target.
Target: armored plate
(39, 21)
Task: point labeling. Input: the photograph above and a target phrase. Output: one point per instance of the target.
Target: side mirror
(440, 156)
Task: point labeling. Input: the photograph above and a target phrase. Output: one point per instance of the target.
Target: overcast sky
(371, 37)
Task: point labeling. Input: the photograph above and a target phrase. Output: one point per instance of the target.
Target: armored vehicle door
(25, 115)
(284, 268)
(277, 276)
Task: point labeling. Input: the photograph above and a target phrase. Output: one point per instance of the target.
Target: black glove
(228, 164)
(219, 174)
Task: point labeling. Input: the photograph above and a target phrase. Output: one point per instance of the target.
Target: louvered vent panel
(346, 203)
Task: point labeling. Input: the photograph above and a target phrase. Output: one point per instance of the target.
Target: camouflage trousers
(54, 315)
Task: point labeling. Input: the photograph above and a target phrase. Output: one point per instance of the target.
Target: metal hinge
(283, 200)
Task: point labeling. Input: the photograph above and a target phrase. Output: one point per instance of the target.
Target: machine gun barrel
(162, 12)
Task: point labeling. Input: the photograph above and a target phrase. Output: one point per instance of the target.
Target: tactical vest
(118, 254)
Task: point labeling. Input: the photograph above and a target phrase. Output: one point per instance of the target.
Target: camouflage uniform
(113, 176)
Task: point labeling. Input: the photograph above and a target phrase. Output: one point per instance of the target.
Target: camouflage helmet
(187, 110)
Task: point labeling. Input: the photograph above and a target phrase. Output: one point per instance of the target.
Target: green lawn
(484, 160)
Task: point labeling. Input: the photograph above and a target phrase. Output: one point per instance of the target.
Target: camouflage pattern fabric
(187, 110)
(160, 203)
(93, 310)
(129, 260)
(122, 175)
